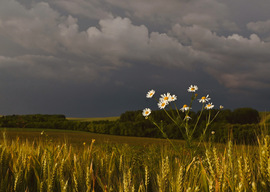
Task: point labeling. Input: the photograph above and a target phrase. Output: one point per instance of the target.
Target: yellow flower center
(185, 106)
(166, 98)
(151, 94)
(163, 104)
(203, 98)
(192, 88)
(146, 112)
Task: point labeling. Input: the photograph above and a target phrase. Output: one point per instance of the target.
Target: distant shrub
(244, 116)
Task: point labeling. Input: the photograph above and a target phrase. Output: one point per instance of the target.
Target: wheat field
(43, 165)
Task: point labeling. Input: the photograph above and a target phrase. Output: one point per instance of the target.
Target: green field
(92, 119)
(76, 137)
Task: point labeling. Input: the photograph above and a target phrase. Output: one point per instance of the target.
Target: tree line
(241, 123)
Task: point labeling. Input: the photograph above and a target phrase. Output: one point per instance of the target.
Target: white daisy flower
(172, 98)
(150, 93)
(162, 103)
(185, 108)
(187, 118)
(146, 112)
(204, 99)
(209, 106)
(165, 97)
(193, 88)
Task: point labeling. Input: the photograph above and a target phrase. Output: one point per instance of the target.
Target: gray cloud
(95, 9)
(156, 14)
(260, 27)
(115, 42)
(235, 61)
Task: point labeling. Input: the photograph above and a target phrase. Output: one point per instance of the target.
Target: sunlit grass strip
(85, 119)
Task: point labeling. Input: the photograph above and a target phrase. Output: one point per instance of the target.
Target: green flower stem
(177, 110)
(209, 121)
(179, 126)
(207, 124)
(192, 99)
(214, 117)
(165, 135)
(194, 128)
(171, 109)
(206, 127)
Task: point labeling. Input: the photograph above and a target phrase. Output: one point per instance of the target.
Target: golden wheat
(47, 166)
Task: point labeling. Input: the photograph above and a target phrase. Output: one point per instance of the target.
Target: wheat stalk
(180, 180)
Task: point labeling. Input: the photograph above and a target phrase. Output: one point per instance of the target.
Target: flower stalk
(186, 125)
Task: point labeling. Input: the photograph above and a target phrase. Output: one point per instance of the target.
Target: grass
(89, 119)
(265, 118)
(77, 137)
(45, 165)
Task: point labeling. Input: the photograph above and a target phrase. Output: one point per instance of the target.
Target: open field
(44, 162)
(77, 137)
(92, 119)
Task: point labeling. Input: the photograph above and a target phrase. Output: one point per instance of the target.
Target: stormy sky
(97, 58)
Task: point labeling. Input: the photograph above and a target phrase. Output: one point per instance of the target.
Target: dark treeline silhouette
(242, 123)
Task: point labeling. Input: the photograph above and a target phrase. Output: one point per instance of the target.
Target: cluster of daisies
(165, 99)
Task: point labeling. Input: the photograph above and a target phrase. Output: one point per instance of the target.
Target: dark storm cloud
(69, 53)
(235, 61)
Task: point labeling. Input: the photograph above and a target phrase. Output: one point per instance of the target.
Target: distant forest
(242, 124)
